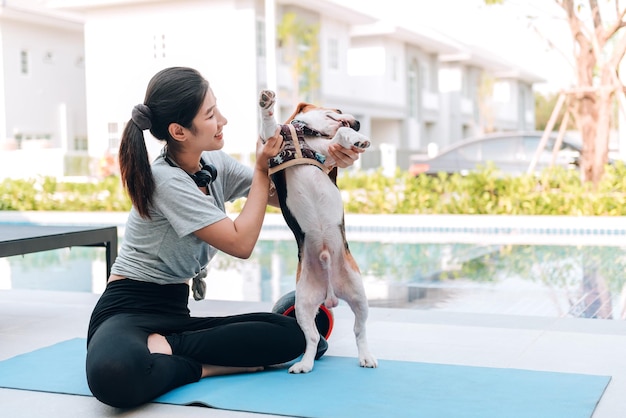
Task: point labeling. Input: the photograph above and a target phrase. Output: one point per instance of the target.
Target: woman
(142, 341)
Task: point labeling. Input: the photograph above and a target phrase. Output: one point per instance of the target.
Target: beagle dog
(312, 207)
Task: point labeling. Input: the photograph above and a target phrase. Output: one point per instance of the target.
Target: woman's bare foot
(210, 370)
(158, 344)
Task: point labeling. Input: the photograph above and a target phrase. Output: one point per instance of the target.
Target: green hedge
(46, 193)
(556, 191)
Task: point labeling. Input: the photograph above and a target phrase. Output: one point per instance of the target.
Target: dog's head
(323, 120)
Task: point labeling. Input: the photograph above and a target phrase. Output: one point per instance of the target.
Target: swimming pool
(449, 264)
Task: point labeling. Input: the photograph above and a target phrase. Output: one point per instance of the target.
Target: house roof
(333, 9)
(41, 16)
(428, 39)
(498, 66)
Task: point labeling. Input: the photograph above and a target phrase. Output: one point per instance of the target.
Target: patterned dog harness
(295, 152)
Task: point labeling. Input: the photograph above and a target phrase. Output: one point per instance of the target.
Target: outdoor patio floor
(31, 319)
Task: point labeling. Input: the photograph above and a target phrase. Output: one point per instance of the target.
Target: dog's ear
(302, 107)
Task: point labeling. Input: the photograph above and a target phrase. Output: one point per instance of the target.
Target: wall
(50, 100)
(216, 39)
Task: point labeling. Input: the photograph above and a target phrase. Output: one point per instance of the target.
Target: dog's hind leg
(312, 290)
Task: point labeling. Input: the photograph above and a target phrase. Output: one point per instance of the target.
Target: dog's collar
(306, 130)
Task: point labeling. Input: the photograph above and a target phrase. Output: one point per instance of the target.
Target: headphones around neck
(204, 177)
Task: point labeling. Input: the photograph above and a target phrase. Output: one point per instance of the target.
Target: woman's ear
(176, 131)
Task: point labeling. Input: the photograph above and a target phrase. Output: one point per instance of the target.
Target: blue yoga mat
(338, 387)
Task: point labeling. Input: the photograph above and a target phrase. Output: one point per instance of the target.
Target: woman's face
(208, 125)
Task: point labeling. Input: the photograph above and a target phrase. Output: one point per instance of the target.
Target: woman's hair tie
(142, 116)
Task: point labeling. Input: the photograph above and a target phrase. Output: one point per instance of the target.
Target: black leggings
(122, 372)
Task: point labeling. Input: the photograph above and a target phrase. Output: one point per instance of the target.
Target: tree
(598, 46)
(299, 43)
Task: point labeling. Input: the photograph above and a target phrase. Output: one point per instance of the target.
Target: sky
(506, 30)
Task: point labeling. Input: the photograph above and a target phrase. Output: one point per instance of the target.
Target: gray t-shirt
(164, 249)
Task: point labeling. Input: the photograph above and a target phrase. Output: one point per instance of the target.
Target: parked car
(510, 152)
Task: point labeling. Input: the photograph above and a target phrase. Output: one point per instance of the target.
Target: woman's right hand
(267, 150)
(239, 236)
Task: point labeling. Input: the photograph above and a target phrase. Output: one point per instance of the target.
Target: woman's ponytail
(135, 162)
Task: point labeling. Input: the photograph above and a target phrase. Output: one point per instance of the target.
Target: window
(333, 54)
(159, 46)
(424, 73)
(412, 90)
(260, 38)
(24, 62)
(81, 144)
(469, 152)
(500, 150)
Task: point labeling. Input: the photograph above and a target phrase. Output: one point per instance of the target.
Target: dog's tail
(325, 260)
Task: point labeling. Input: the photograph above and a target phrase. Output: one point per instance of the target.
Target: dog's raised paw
(267, 98)
(362, 144)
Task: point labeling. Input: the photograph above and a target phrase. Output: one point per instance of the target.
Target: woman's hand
(239, 236)
(268, 150)
(344, 157)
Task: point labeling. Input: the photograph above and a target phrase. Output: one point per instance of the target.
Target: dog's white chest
(312, 197)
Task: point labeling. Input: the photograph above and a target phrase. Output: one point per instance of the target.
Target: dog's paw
(368, 361)
(365, 143)
(360, 141)
(301, 367)
(267, 99)
(348, 138)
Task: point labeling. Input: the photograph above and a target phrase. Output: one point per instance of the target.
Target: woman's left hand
(344, 157)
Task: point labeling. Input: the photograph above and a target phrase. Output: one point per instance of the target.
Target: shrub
(556, 191)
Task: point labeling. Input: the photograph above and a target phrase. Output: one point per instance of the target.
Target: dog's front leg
(267, 99)
(348, 137)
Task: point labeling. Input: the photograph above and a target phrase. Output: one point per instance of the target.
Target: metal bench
(18, 239)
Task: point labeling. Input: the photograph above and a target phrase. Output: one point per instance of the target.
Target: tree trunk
(596, 72)
(586, 118)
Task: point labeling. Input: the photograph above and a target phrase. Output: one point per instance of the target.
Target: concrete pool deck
(31, 319)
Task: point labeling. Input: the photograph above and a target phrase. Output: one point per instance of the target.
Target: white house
(388, 76)
(42, 90)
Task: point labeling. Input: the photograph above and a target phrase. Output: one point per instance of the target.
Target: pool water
(540, 280)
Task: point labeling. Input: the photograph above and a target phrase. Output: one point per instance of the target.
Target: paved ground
(34, 319)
